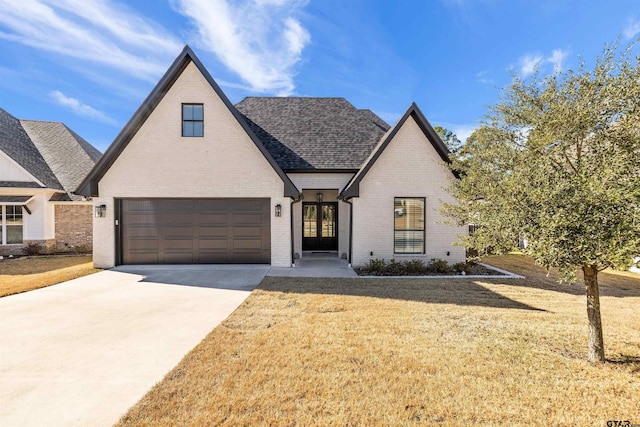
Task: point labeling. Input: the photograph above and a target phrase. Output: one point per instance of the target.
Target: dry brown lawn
(25, 274)
(409, 352)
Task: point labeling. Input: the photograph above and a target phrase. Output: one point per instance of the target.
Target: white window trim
(3, 224)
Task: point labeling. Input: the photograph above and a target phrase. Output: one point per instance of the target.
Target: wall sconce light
(278, 210)
(100, 211)
(319, 197)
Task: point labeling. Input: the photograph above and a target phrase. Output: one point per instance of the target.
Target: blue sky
(91, 63)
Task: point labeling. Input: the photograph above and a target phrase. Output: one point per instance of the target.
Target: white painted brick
(408, 167)
(159, 162)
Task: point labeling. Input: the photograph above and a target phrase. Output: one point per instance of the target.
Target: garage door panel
(239, 245)
(195, 231)
(247, 232)
(211, 231)
(178, 257)
(219, 244)
(178, 232)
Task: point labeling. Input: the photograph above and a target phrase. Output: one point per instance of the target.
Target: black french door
(319, 226)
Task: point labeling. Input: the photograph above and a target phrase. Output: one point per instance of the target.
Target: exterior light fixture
(278, 210)
(100, 211)
(319, 197)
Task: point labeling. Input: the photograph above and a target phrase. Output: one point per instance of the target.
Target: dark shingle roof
(68, 155)
(313, 133)
(14, 199)
(20, 184)
(50, 151)
(15, 143)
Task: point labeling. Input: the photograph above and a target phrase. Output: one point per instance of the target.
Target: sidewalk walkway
(316, 265)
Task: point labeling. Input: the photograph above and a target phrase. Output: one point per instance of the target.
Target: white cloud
(557, 58)
(260, 40)
(79, 108)
(483, 77)
(632, 28)
(529, 62)
(99, 31)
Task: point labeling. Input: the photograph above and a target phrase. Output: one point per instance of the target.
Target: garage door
(195, 231)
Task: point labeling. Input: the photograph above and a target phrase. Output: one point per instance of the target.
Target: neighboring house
(41, 164)
(194, 179)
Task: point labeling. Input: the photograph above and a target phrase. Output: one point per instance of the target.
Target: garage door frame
(119, 215)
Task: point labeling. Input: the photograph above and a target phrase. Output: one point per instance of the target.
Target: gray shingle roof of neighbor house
(89, 186)
(313, 133)
(20, 184)
(16, 144)
(50, 151)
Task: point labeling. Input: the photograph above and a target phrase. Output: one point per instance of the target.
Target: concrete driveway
(82, 352)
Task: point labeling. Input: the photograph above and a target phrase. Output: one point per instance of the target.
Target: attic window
(192, 120)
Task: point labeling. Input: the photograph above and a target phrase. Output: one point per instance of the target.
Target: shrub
(415, 266)
(32, 248)
(437, 265)
(376, 267)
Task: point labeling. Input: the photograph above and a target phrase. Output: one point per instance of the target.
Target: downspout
(350, 226)
(293, 249)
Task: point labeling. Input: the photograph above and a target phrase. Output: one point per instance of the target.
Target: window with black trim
(10, 225)
(192, 120)
(408, 220)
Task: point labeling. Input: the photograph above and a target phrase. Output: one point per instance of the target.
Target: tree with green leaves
(449, 138)
(557, 161)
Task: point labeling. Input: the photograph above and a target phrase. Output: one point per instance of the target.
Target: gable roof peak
(89, 186)
(352, 189)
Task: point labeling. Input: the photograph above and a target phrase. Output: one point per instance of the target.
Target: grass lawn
(410, 352)
(24, 274)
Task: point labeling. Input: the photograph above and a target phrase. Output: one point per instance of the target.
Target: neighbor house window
(192, 120)
(11, 225)
(408, 219)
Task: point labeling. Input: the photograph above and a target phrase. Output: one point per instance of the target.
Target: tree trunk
(596, 343)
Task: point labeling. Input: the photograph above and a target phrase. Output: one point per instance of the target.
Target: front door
(319, 226)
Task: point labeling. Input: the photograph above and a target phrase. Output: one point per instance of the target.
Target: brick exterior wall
(74, 228)
(409, 167)
(159, 162)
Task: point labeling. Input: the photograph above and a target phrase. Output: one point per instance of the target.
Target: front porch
(314, 264)
(320, 226)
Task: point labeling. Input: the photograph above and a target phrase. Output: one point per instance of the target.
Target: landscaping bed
(417, 267)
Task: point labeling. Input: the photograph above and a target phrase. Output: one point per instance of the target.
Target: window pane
(408, 214)
(198, 113)
(310, 221)
(328, 221)
(198, 129)
(187, 112)
(408, 242)
(14, 215)
(187, 129)
(14, 234)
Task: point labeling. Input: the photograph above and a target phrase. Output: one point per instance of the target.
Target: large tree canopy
(557, 162)
(449, 138)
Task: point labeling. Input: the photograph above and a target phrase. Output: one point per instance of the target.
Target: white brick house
(194, 179)
(41, 164)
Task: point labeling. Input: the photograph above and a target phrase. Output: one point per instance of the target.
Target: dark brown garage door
(195, 231)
